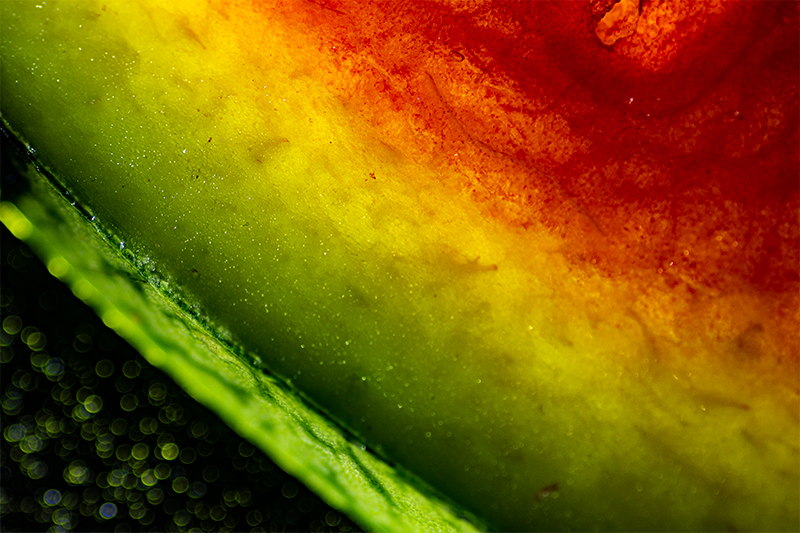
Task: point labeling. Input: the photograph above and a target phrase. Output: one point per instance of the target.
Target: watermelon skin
(559, 307)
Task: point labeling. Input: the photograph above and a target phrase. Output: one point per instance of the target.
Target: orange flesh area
(668, 160)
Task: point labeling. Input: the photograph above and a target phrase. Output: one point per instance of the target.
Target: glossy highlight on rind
(496, 257)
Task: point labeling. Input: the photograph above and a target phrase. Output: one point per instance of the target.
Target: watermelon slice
(508, 265)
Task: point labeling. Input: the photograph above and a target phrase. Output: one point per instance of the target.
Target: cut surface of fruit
(554, 277)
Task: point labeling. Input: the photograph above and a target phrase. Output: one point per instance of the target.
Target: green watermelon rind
(172, 335)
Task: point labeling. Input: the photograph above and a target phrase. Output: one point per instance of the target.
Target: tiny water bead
(54, 367)
(289, 489)
(95, 439)
(12, 324)
(197, 490)
(140, 451)
(169, 451)
(108, 510)
(52, 497)
(104, 368)
(180, 485)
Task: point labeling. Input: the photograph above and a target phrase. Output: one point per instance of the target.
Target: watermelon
(485, 264)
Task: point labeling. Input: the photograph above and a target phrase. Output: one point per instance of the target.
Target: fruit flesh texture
(475, 260)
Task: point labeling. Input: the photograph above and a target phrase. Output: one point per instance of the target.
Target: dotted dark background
(94, 438)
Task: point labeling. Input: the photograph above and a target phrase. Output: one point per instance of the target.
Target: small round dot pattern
(96, 439)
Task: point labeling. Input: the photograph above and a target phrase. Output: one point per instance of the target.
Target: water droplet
(52, 497)
(104, 368)
(93, 404)
(108, 510)
(332, 518)
(170, 451)
(289, 490)
(180, 485)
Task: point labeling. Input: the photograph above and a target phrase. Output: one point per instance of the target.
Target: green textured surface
(254, 404)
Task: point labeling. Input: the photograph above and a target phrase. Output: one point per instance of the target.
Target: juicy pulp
(556, 281)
